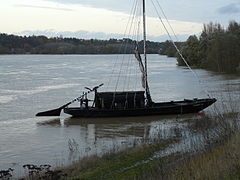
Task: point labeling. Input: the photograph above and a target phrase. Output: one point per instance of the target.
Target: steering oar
(57, 112)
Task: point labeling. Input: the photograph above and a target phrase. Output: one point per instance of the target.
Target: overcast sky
(104, 19)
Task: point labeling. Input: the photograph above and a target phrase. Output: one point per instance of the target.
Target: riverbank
(221, 162)
(216, 49)
(217, 159)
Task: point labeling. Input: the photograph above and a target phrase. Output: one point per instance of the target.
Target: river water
(33, 83)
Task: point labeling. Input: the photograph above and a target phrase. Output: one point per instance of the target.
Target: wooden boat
(125, 106)
(130, 103)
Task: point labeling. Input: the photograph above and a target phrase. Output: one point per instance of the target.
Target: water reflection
(50, 122)
(97, 136)
(144, 127)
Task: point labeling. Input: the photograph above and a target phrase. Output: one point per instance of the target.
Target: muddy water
(33, 83)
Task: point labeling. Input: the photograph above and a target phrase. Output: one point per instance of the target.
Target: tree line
(12, 44)
(216, 49)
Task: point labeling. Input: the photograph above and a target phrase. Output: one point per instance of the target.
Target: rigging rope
(132, 19)
(136, 39)
(133, 61)
(167, 20)
(122, 44)
(126, 68)
(174, 44)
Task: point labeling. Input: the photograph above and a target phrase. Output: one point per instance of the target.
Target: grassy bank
(222, 162)
(218, 159)
(127, 164)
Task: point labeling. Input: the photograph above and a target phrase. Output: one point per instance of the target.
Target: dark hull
(165, 108)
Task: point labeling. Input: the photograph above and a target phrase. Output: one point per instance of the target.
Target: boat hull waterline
(164, 108)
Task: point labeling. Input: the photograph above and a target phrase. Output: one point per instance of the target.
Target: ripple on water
(14, 94)
(7, 98)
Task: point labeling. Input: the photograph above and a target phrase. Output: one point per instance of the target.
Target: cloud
(82, 21)
(43, 7)
(106, 4)
(93, 35)
(233, 8)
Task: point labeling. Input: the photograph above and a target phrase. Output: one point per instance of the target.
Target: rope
(131, 60)
(167, 20)
(129, 69)
(174, 44)
(132, 19)
(122, 44)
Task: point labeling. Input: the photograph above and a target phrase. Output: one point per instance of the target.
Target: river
(33, 83)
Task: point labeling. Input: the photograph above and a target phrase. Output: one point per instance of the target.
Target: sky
(104, 19)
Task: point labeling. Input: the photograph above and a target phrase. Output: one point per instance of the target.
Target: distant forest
(216, 49)
(12, 44)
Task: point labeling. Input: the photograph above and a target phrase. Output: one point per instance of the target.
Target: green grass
(223, 162)
(117, 166)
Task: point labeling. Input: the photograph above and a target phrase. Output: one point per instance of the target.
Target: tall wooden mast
(144, 43)
(149, 99)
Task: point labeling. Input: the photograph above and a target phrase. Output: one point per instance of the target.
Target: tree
(190, 51)
(217, 49)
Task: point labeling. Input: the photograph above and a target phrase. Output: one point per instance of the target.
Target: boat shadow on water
(76, 121)
(147, 127)
(50, 122)
(125, 120)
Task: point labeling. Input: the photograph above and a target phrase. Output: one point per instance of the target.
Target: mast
(144, 43)
(149, 99)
